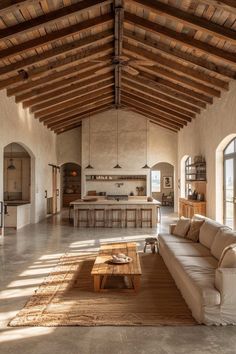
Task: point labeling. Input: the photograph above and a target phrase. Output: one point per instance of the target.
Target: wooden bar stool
(127, 220)
(85, 219)
(146, 216)
(99, 218)
(116, 219)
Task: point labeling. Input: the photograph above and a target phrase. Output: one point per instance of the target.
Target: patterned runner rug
(66, 298)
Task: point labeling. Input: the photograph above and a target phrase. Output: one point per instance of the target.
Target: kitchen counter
(134, 203)
(18, 214)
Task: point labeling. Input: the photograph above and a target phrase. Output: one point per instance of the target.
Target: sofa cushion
(172, 238)
(224, 238)
(208, 232)
(228, 257)
(194, 230)
(182, 227)
(188, 249)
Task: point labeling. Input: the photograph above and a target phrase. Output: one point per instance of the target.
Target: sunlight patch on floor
(22, 333)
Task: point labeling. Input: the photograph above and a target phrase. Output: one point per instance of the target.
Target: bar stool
(101, 219)
(148, 218)
(81, 219)
(117, 219)
(127, 220)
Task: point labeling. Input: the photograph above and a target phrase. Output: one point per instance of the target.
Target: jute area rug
(66, 298)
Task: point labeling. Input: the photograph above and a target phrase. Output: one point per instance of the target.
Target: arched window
(230, 184)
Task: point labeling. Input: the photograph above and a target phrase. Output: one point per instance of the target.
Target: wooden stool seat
(127, 220)
(117, 219)
(98, 220)
(152, 242)
(148, 218)
(87, 216)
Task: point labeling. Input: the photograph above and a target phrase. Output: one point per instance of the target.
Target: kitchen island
(134, 212)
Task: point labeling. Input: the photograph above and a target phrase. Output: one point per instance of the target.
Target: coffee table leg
(97, 282)
(136, 282)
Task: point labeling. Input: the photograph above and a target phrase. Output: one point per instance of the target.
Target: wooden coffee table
(102, 269)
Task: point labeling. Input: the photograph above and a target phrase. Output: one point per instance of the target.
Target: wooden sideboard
(188, 207)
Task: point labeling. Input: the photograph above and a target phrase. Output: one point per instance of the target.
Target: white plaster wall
(162, 144)
(204, 135)
(18, 125)
(69, 147)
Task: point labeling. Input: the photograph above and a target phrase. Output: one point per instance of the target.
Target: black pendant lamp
(89, 165)
(117, 142)
(146, 164)
(11, 165)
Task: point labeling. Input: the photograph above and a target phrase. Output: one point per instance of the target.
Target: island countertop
(115, 202)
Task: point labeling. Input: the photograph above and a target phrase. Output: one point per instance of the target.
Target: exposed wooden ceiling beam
(226, 5)
(152, 82)
(56, 78)
(138, 86)
(168, 73)
(61, 87)
(80, 44)
(174, 52)
(10, 5)
(88, 101)
(174, 65)
(149, 115)
(81, 117)
(146, 105)
(56, 35)
(144, 71)
(166, 106)
(45, 110)
(73, 118)
(192, 21)
(43, 70)
(181, 38)
(118, 44)
(51, 17)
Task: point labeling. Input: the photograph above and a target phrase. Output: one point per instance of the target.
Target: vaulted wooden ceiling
(66, 60)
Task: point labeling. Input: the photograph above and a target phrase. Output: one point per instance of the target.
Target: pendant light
(11, 165)
(117, 142)
(89, 165)
(146, 164)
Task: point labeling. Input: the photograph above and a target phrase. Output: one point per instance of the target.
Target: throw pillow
(228, 257)
(193, 233)
(182, 227)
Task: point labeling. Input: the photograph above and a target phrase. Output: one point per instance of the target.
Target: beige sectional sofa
(209, 291)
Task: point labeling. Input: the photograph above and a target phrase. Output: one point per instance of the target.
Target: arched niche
(219, 177)
(19, 176)
(70, 182)
(164, 172)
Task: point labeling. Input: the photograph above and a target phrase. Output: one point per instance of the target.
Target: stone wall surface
(204, 136)
(19, 126)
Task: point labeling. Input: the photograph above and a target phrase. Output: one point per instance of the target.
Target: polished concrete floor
(28, 255)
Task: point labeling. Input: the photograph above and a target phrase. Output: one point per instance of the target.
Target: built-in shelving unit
(196, 172)
(71, 183)
(115, 178)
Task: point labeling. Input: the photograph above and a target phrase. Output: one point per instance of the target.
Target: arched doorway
(19, 185)
(162, 183)
(222, 178)
(70, 183)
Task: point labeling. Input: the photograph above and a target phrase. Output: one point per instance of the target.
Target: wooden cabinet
(188, 208)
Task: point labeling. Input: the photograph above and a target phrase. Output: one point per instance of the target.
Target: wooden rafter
(181, 38)
(73, 110)
(118, 44)
(67, 48)
(146, 105)
(153, 83)
(192, 21)
(155, 100)
(170, 74)
(226, 5)
(51, 17)
(61, 87)
(54, 36)
(175, 53)
(140, 87)
(9, 5)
